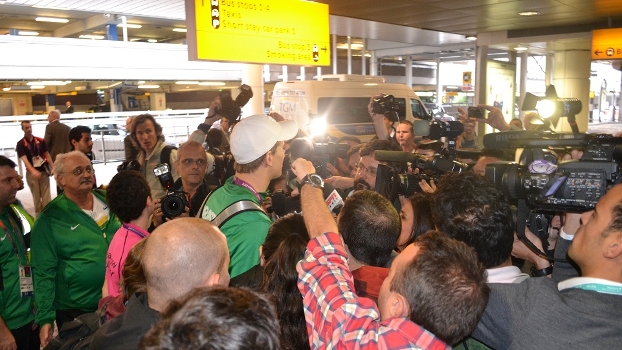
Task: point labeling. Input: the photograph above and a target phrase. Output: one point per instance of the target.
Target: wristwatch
(314, 180)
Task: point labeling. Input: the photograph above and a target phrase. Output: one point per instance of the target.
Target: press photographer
(383, 111)
(185, 196)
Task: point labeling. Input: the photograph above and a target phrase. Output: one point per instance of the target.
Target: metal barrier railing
(177, 125)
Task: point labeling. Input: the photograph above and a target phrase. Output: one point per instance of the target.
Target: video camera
(319, 154)
(174, 203)
(386, 105)
(570, 186)
(391, 182)
(232, 109)
(436, 129)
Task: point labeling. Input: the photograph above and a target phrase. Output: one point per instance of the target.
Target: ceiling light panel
(51, 19)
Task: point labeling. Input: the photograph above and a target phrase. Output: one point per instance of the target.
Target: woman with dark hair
(284, 247)
(416, 216)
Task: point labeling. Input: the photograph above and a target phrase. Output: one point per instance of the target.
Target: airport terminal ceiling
(436, 28)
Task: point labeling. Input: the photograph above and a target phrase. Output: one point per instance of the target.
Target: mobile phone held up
(476, 112)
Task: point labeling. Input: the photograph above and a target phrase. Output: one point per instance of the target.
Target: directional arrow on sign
(324, 49)
(597, 52)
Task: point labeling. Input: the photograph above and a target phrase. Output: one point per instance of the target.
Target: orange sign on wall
(607, 44)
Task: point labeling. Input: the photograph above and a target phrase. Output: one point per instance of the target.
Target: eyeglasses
(189, 161)
(370, 170)
(79, 170)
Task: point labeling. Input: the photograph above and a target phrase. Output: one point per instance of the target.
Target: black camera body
(318, 153)
(570, 186)
(232, 109)
(175, 202)
(386, 105)
(390, 182)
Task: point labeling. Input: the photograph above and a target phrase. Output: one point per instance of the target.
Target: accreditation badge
(25, 280)
(37, 161)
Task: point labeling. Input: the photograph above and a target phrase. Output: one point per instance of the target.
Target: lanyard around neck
(10, 236)
(243, 183)
(132, 229)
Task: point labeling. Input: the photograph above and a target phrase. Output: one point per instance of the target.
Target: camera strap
(234, 209)
(521, 223)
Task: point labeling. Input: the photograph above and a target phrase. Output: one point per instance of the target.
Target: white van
(339, 102)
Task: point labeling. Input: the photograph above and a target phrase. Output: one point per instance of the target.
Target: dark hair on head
(422, 217)
(470, 209)
(369, 148)
(280, 278)
(75, 134)
(24, 122)
(370, 227)
(281, 229)
(348, 138)
(616, 220)
(4, 161)
(141, 119)
(133, 277)
(215, 136)
(216, 318)
(127, 194)
(354, 149)
(445, 286)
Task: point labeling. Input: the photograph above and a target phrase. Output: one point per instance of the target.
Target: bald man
(179, 256)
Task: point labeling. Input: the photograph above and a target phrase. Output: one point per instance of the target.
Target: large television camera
(386, 105)
(232, 109)
(569, 186)
(392, 181)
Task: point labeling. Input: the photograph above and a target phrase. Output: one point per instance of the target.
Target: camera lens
(173, 205)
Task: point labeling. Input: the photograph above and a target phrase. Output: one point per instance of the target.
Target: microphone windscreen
(421, 128)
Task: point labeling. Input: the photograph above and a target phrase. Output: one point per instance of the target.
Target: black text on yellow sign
(292, 32)
(607, 44)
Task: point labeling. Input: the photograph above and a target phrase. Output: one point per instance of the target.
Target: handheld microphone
(283, 205)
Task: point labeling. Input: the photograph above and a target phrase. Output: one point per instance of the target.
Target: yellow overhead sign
(293, 32)
(607, 44)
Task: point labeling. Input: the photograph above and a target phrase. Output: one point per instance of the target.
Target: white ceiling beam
(84, 25)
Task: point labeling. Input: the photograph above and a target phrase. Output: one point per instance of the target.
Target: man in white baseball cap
(257, 147)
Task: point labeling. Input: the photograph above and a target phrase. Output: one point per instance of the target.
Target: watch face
(315, 180)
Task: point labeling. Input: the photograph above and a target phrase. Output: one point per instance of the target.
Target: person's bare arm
(318, 218)
(7, 341)
(35, 173)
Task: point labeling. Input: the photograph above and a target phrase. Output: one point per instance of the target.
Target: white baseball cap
(254, 136)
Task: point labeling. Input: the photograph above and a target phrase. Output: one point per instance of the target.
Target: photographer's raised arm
(378, 119)
(495, 118)
(318, 218)
(201, 132)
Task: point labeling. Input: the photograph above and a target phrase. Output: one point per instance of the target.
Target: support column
(363, 58)
(252, 75)
(481, 61)
(571, 78)
(550, 68)
(373, 64)
(319, 73)
(523, 82)
(284, 74)
(124, 22)
(409, 71)
(111, 32)
(349, 54)
(303, 73)
(439, 85)
(334, 53)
